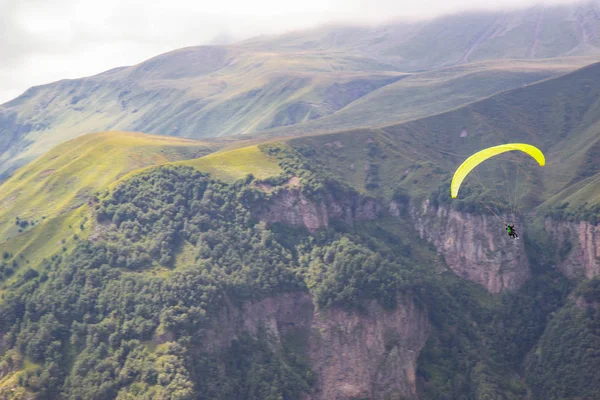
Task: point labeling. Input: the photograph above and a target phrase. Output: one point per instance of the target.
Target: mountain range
(307, 82)
(271, 219)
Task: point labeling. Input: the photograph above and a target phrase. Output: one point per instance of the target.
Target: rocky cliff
(293, 207)
(577, 246)
(278, 315)
(475, 247)
(369, 354)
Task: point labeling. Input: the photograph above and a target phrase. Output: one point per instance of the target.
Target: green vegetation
(582, 213)
(91, 311)
(203, 91)
(83, 328)
(235, 164)
(479, 343)
(300, 84)
(41, 241)
(46, 202)
(344, 273)
(100, 324)
(130, 314)
(120, 279)
(433, 92)
(565, 363)
(420, 156)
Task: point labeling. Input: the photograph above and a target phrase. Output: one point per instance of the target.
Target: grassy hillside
(227, 165)
(159, 324)
(46, 206)
(169, 246)
(40, 205)
(302, 78)
(252, 93)
(178, 245)
(434, 92)
(561, 116)
(109, 297)
(236, 164)
(565, 362)
(193, 92)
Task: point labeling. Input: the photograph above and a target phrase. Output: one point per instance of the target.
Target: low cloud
(44, 41)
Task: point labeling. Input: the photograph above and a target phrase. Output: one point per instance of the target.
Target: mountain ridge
(313, 265)
(310, 266)
(265, 84)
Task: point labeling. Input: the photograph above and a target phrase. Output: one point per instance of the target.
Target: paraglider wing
(483, 155)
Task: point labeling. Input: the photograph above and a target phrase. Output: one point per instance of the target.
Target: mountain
(431, 93)
(331, 266)
(319, 80)
(44, 197)
(561, 116)
(542, 31)
(194, 92)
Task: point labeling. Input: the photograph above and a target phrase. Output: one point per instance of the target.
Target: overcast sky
(46, 40)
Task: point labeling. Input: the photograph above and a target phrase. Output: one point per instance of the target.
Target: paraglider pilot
(511, 231)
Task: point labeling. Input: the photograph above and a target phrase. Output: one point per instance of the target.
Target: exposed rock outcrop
(292, 207)
(276, 314)
(371, 354)
(368, 354)
(475, 247)
(577, 245)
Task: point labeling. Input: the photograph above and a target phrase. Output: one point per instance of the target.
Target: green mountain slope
(434, 92)
(131, 307)
(155, 286)
(157, 309)
(558, 115)
(193, 92)
(565, 362)
(139, 310)
(228, 165)
(253, 92)
(561, 116)
(40, 205)
(304, 77)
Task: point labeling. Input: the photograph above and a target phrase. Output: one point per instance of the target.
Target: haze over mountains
(311, 81)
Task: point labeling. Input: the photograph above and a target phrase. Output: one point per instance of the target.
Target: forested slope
(188, 288)
(328, 266)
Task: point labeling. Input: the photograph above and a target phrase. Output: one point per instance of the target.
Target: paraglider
(473, 161)
(479, 157)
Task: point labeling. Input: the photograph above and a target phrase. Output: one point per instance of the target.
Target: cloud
(48, 40)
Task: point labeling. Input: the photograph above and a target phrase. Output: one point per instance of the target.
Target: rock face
(292, 207)
(370, 354)
(475, 247)
(577, 245)
(367, 355)
(276, 314)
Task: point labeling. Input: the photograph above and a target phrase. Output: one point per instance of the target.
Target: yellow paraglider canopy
(477, 158)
